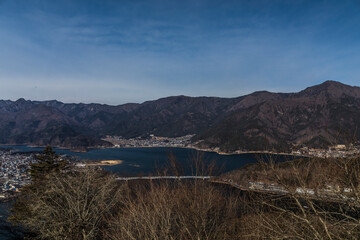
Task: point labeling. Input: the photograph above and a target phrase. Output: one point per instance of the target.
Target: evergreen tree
(47, 163)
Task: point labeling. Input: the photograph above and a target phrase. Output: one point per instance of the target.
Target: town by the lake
(15, 165)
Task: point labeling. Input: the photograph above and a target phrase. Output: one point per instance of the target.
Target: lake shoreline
(237, 152)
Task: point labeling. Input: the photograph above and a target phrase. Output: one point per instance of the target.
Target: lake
(145, 161)
(141, 161)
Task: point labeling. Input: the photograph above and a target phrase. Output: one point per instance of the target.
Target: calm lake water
(140, 161)
(144, 161)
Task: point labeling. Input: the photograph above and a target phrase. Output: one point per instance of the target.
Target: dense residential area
(152, 141)
(14, 170)
(335, 151)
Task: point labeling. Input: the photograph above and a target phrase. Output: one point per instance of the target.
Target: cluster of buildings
(152, 141)
(14, 171)
(336, 151)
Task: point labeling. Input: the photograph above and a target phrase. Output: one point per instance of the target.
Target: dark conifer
(47, 162)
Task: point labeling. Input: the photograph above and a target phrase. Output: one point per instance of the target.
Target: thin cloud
(146, 50)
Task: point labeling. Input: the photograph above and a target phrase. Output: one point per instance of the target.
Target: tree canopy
(48, 162)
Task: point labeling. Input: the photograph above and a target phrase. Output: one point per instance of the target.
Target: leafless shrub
(70, 205)
(320, 200)
(314, 206)
(195, 210)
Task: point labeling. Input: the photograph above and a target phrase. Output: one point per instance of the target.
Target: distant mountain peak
(263, 92)
(327, 84)
(331, 82)
(21, 100)
(333, 88)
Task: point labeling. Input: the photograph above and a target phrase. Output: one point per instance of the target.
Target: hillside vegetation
(89, 203)
(317, 116)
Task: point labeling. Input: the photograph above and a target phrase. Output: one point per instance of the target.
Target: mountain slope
(318, 116)
(82, 125)
(26, 122)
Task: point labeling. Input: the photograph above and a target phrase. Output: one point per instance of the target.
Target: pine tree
(47, 163)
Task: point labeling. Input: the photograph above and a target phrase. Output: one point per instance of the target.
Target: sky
(118, 51)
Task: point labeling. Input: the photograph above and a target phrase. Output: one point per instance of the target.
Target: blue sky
(131, 51)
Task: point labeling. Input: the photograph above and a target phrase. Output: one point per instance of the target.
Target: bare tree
(175, 210)
(70, 205)
(319, 200)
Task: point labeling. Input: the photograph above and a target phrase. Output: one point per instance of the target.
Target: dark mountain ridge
(316, 116)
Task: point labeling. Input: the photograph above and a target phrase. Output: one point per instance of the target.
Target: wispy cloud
(140, 50)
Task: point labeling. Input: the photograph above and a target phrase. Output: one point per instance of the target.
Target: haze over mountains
(317, 116)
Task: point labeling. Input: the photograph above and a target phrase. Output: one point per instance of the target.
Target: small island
(104, 163)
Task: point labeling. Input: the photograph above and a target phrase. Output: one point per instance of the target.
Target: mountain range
(318, 116)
